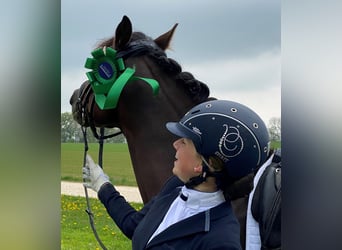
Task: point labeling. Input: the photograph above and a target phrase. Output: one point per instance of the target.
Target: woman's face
(188, 162)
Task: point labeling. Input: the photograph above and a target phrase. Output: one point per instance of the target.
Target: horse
(142, 116)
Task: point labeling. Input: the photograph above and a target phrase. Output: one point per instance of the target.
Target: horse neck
(143, 123)
(171, 103)
(151, 152)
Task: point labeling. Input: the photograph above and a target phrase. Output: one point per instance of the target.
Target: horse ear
(123, 33)
(164, 40)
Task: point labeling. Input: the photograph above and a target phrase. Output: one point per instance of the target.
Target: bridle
(85, 112)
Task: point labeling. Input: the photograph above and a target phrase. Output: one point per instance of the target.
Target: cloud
(244, 74)
(207, 29)
(254, 81)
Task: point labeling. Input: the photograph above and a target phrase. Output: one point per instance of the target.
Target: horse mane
(195, 89)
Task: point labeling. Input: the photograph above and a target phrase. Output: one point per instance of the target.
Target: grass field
(116, 162)
(76, 232)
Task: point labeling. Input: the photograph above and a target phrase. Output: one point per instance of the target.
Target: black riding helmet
(229, 130)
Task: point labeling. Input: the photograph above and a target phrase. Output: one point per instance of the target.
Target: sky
(232, 46)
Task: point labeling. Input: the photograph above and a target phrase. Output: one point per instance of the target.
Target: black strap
(88, 209)
(195, 181)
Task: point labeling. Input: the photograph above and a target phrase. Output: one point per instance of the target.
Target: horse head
(139, 113)
(148, 57)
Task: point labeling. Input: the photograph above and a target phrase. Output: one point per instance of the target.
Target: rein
(101, 139)
(87, 119)
(88, 209)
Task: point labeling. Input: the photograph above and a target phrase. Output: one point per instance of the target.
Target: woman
(220, 141)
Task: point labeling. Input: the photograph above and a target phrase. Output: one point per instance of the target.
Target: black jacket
(216, 228)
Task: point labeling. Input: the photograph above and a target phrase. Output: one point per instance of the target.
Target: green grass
(76, 232)
(116, 162)
(275, 144)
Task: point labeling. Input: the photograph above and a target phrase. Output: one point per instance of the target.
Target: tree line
(71, 130)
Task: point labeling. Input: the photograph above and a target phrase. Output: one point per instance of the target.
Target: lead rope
(88, 210)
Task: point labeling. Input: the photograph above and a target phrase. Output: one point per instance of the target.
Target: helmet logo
(196, 130)
(231, 143)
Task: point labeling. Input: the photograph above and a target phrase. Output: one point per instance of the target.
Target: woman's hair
(217, 168)
(232, 188)
(216, 163)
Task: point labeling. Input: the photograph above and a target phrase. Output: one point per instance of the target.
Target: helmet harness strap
(196, 180)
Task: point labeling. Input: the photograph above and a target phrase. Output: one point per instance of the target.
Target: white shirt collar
(197, 199)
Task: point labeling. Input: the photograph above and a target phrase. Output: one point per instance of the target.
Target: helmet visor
(182, 131)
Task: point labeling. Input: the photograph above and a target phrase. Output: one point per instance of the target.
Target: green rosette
(109, 76)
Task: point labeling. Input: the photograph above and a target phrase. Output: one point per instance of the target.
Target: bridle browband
(135, 48)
